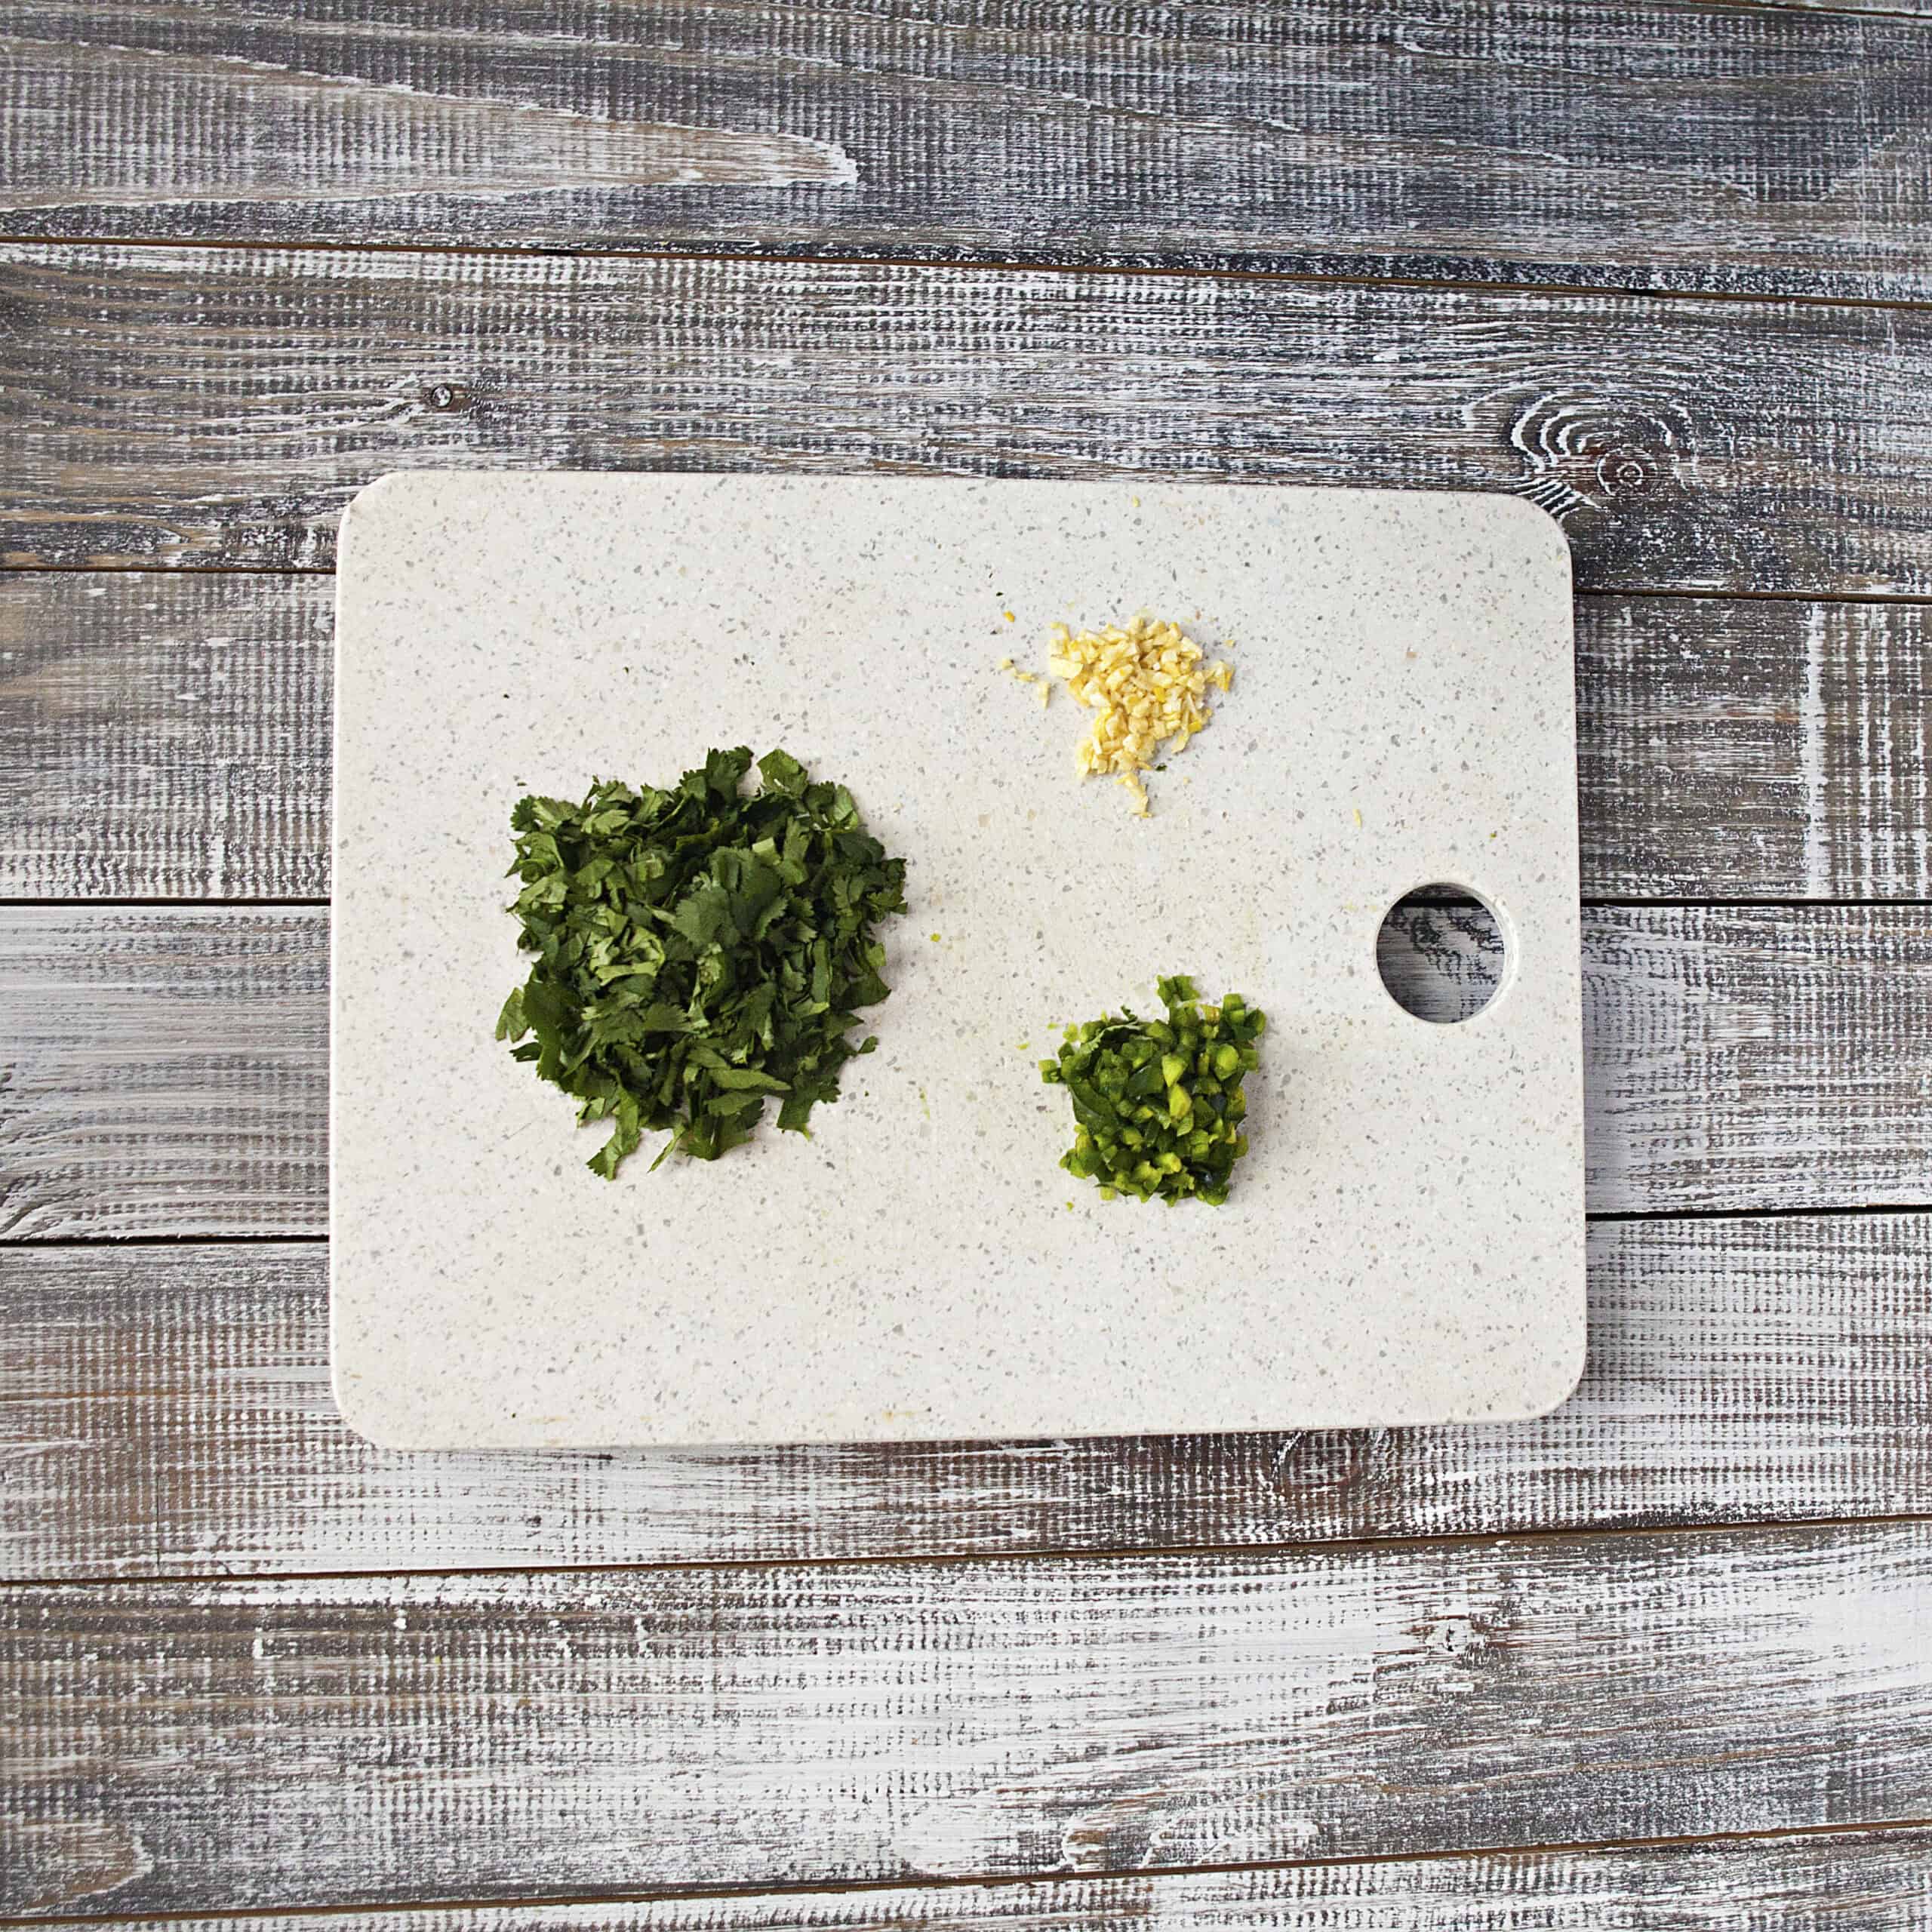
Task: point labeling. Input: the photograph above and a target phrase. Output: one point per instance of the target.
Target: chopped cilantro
(1158, 1104)
(697, 949)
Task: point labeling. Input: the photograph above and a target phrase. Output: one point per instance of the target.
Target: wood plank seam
(214, 573)
(1175, 267)
(1607, 1533)
(486, 1906)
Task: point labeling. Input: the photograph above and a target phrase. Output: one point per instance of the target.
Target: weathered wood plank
(1734, 1056)
(1767, 750)
(169, 1414)
(1862, 1882)
(277, 1744)
(218, 406)
(1615, 143)
(167, 736)
(165, 1070)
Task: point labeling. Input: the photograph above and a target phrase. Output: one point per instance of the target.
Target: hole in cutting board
(1440, 953)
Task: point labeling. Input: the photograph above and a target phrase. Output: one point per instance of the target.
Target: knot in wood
(1597, 452)
(1331, 1462)
(1472, 1642)
(1624, 471)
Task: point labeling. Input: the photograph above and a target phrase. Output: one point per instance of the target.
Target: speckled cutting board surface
(1404, 1244)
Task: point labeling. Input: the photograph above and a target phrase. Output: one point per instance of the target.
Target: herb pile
(697, 949)
(1158, 1104)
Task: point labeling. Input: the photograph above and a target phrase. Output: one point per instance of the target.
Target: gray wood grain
(1615, 143)
(164, 1071)
(165, 737)
(168, 736)
(1743, 1057)
(169, 1414)
(1775, 750)
(1867, 1882)
(279, 1743)
(218, 406)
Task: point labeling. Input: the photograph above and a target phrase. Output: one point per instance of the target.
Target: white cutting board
(1404, 1244)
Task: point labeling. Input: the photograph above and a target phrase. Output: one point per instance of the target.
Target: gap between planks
(486, 1905)
(1175, 267)
(1710, 902)
(1608, 1216)
(1738, 1528)
(1582, 593)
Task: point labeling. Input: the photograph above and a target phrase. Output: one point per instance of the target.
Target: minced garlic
(1148, 685)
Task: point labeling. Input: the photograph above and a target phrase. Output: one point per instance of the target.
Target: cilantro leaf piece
(697, 949)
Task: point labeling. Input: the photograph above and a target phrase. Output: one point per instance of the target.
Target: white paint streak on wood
(1745, 746)
(283, 1743)
(219, 406)
(1907, 845)
(1813, 724)
(1883, 1642)
(1871, 1881)
(165, 737)
(147, 130)
(1874, 743)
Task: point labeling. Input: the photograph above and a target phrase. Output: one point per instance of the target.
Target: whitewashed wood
(164, 1071)
(218, 406)
(1699, 1684)
(1866, 1881)
(282, 1743)
(169, 1414)
(1648, 145)
(1746, 1057)
(167, 736)
(145, 128)
(1766, 749)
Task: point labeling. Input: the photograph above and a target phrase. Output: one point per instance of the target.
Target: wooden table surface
(1663, 1659)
